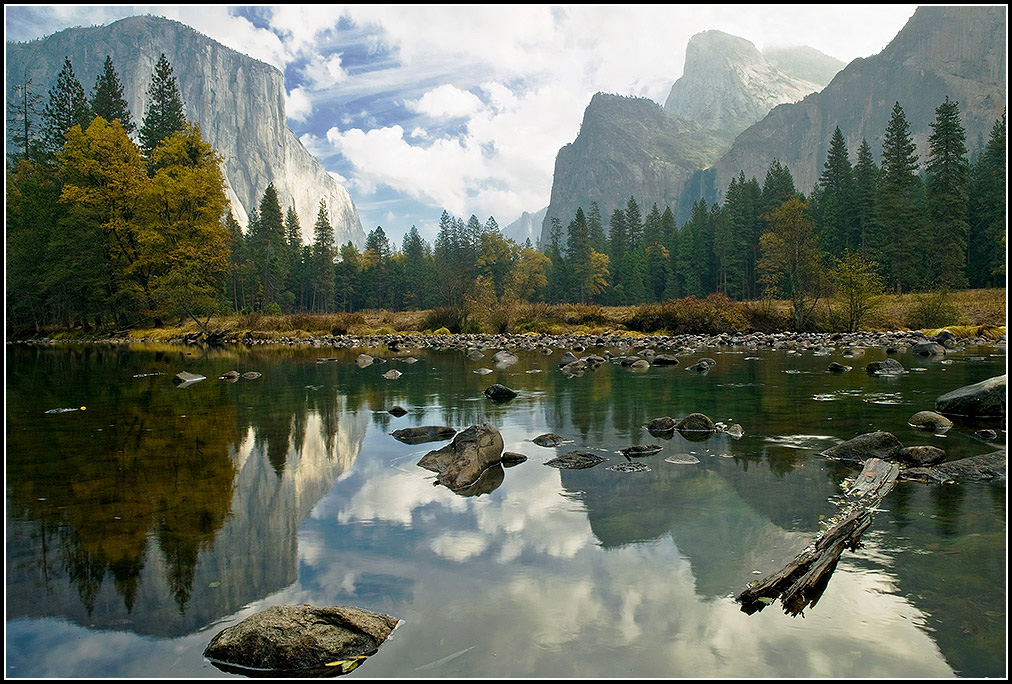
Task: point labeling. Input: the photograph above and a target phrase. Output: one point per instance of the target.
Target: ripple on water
(801, 441)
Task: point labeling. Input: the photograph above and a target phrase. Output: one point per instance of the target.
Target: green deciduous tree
(857, 287)
(792, 263)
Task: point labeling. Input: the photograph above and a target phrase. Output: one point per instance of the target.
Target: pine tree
(633, 223)
(833, 205)
(987, 211)
(898, 207)
(268, 249)
(947, 194)
(866, 175)
(163, 114)
(417, 269)
(67, 107)
(23, 116)
(107, 98)
(598, 241)
(323, 261)
(578, 255)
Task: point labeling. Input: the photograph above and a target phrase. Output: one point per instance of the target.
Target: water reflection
(161, 511)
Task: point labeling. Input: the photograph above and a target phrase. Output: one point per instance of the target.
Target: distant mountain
(634, 147)
(238, 101)
(958, 52)
(728, 85)
(527, 227)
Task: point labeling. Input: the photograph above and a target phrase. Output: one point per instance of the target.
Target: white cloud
(447, 101)
(298, 105)
(324, 72)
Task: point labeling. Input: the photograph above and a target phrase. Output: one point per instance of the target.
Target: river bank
(967, 314)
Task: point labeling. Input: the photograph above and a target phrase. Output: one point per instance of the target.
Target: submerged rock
(576, 460)
(661, 426)
(299, 640)
(397, 411)
(461, 462)
(425, 433)
(499, 392)
(392, 374)
(251, 375)
(630, 467)
(682, 459)
(835, 367)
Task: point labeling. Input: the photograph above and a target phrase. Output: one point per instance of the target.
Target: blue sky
(417, 109)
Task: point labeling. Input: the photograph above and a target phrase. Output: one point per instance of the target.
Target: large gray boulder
(882, 445)
(985, 399)
(885, 367)
(985, 467)
(299, 640)
(461, 462)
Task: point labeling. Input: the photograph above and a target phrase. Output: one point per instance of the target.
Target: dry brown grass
(967, 310)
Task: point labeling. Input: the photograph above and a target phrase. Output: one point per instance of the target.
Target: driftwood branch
(801, 582)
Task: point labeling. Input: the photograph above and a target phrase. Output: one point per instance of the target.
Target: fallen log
(802, 581)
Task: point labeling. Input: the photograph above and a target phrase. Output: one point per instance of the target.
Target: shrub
(715, 314)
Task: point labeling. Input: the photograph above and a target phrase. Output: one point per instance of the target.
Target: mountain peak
(728, 84)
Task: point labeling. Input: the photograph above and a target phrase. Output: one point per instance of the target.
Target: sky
(418, 109)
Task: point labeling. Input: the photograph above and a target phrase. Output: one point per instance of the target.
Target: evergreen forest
(113, 225)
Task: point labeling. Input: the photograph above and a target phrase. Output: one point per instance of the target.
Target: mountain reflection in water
(171, 512)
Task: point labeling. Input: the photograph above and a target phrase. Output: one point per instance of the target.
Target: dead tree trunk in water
(801, 583)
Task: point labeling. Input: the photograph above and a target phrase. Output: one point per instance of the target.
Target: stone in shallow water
(682, 459)
(299, 640)
(630, 468)
(549, 439)
(641, 450)
(576, 460)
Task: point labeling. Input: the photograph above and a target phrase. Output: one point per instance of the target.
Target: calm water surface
(143, 523)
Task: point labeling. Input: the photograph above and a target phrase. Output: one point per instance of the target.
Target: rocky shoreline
(894, 341)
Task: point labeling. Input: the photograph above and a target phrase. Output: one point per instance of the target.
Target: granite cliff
(634, 147)
(238, 101)
(955, 52)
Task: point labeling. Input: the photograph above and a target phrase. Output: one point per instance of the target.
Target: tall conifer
(107, 98)
(947, 194)
(163, 114)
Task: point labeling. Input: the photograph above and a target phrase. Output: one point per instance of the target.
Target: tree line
(106, 231)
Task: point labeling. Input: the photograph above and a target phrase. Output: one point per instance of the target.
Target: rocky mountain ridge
(956, 52)
(238, 101)
(634, 147)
